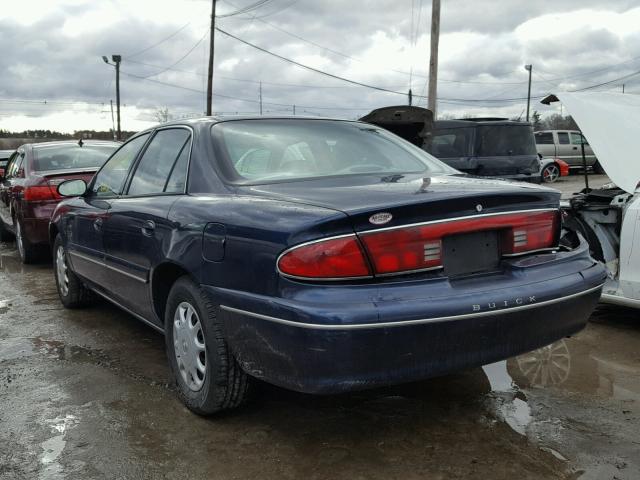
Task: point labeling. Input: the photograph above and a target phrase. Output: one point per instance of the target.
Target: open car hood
(611, 124)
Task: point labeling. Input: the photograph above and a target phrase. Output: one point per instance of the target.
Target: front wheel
(72, 292)
(209, 379)
(550, 173)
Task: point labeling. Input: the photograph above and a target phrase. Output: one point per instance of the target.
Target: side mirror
(72, 188)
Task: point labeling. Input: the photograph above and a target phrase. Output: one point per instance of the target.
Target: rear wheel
(28, 253)
(72, 292)
(209, 379)
(550, 173)
(5, 235)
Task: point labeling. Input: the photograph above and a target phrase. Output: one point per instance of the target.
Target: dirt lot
(86, 394)
(575, 182)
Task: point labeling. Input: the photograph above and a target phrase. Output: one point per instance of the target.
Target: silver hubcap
(551, 173)
(61, 272)
(189, 347)
(19, 240)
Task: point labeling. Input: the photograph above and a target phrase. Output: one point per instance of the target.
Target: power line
(278, 10)
(245, 9)
(160, 42)
(184, 56)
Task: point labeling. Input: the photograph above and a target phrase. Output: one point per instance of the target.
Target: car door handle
(575, 148)
(148, 227)
(97, 224)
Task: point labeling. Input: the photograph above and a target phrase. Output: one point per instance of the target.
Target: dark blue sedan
(319, 255)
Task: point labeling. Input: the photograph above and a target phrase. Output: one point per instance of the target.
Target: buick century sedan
(318, 255)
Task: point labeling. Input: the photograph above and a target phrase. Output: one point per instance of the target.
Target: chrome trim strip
(369, 277)
(104, 264)
(482, 215)
(540, 250)
(404, 323)
(138, 317)
(619, 300)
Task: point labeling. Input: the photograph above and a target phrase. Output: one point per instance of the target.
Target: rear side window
(544, 138)
(451, 142)
(563, 138)
(154, 174)
(109, 181)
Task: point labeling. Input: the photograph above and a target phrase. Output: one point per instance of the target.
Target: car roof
(474, 123)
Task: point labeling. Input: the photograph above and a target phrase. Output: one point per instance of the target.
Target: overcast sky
(51, 50)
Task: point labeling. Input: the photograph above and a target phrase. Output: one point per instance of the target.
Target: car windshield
(278, 149)
(69, 157)
(502, 140)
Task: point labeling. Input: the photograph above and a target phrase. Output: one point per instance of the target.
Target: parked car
(318, 255)
(28, 193)
(551, 169)
(489, 147)
(4, 158)
(608, 216)
(566, 145)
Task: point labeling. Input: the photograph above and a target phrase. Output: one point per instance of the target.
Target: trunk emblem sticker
(380, 218)
(479, 207)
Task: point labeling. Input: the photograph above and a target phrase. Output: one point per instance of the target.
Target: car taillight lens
(334, 258)
(420, 247)
(40, 192)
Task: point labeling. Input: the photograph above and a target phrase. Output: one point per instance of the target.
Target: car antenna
(80, 143)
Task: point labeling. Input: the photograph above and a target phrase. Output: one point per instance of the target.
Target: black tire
(28, 252)
(76, 295)
(597, 168)
(5, 235)
(223, 385)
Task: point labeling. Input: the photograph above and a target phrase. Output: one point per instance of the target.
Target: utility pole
(260, 98)
(623, 88)
(113, 123)
(294, 110)
(117, 59)
(212, 37)
(529, 68)
(116, 62)
(410, 97)
(433, 59)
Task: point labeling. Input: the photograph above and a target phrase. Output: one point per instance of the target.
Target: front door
(90, 214)
(137, 233)
(10, 187)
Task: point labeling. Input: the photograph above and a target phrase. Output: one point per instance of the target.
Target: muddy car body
(319, 255)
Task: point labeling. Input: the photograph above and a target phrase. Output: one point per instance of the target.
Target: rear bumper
(407, 331)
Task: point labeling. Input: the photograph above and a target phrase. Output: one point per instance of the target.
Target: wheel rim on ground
(19, 240)
(550, 173)
(189, 346)
(61, 272)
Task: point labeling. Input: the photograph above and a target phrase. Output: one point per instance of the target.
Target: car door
(137, 232)
(566, 151)
(576, 145)
(89, 213)
(12, 188)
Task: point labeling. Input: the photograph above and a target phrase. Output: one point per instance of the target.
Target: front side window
(109, 181)
(563, 138)
(578, 139)
(156, 165)
(281, 149)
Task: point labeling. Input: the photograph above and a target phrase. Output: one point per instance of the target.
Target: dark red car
(28, 189)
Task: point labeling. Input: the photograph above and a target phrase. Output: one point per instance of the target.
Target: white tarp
(611, 124)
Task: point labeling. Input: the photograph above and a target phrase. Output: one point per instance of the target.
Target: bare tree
(162, 115)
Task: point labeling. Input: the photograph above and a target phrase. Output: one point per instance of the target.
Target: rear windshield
(503, 140)
(70, 157)
(278, 149)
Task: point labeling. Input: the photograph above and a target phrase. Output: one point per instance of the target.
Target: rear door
(566, 151)
(137, 232)
(86, 243)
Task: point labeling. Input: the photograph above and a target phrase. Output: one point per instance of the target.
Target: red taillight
(335, 258)
(40, 192)
(420, 247)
